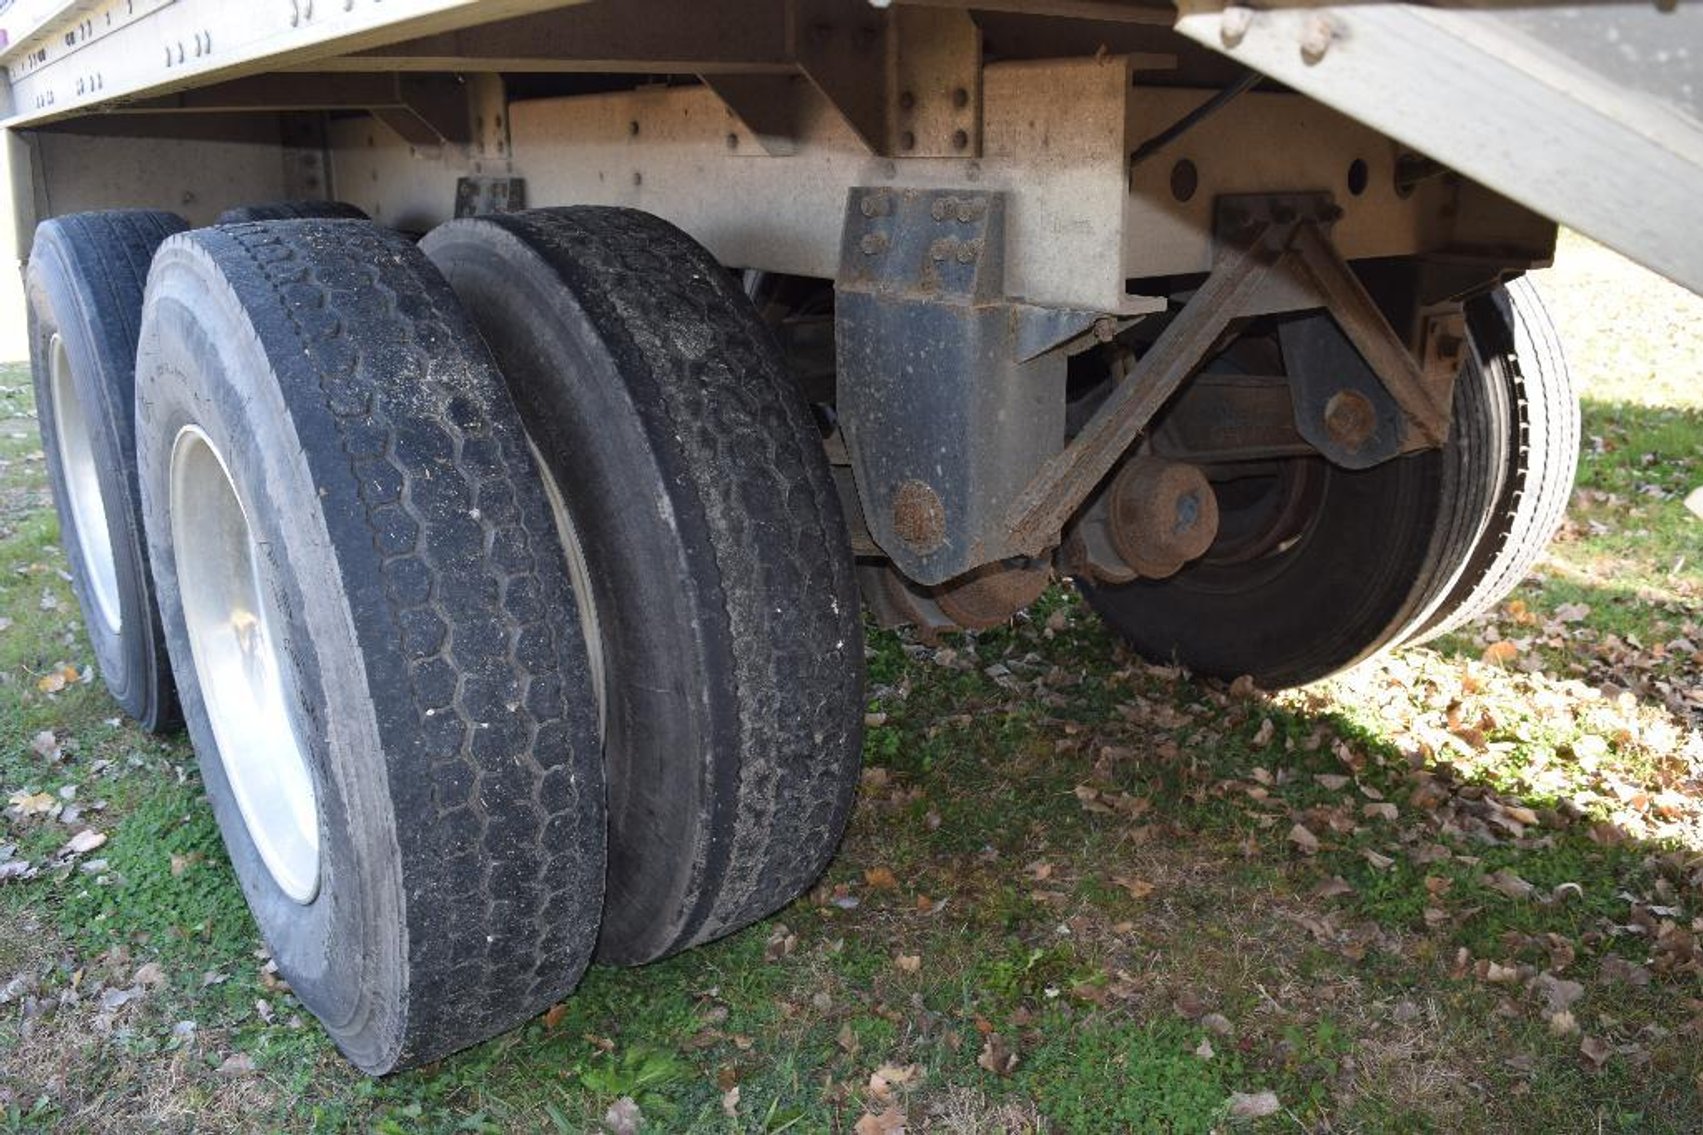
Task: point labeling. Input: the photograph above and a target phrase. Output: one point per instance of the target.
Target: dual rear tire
(694, 493)
(426, 621)
(373, 632)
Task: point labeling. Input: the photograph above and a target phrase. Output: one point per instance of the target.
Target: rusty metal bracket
(1274, 256)
(950, 394)
(1341, 407)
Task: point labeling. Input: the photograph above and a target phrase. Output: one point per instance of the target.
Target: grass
(1079, 893)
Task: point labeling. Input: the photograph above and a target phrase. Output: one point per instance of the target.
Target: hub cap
(233, 637)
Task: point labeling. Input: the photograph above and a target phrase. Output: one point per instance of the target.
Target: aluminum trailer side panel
(1587, 114)
(92, 54)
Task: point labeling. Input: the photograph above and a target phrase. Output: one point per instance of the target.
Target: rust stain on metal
(992, 593)
(919, 518)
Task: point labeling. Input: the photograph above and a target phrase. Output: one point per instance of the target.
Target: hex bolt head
(1316, 38)
(1350, 419)
(1233, 25)
(919, 516)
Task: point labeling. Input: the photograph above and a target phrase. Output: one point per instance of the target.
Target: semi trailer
(487, 424)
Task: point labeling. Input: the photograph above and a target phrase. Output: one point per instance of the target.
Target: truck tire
(1359, 557)
(1519, 361)
(360, 587)
(1336, 593)
(292, 211)
(85, 281)
(697, 499)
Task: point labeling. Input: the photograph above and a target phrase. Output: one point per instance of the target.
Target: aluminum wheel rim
(579, 575)
(233, 638)
(83, 487)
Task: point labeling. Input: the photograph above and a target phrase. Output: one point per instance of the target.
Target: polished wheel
(83, 486)
(233, 637)
(579, 574)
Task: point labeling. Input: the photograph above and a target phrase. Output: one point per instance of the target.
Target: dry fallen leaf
(29, 804)
(84, 841)
(997, 1056)
(1509, 884)
(1090, 798)
(880, 878)
(730, 1102)
(1617, 968)
(114, 999)
(1305, 841)
(623, 1117)
(1498, 974)
(45, 745)
(1595, 1051)
(1501, 653)
(241, 1064)
(782, 942)
(889, 1076)
(1217, 1023)
(1332, 887)
(889, 1122)
(1557, 993)
(908, 963)
(1137, 888)
(1257, 1105)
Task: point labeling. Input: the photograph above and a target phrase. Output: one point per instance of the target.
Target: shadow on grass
(1435, 893)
